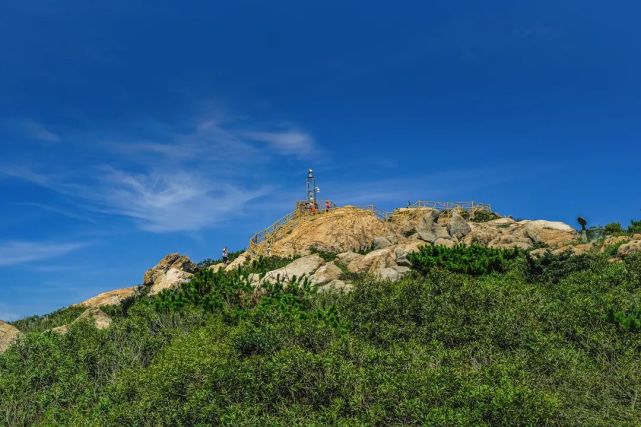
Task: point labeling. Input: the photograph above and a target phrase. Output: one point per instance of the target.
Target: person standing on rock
(328, 205)
(225, 255)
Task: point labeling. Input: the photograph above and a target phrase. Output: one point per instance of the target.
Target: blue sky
(132, 129)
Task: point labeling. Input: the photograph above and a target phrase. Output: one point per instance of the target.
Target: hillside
(423, 317)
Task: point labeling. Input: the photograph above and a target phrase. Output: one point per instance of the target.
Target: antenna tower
(311, 187)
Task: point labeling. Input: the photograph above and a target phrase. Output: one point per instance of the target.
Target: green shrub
(326, 255)
(49, 321)
(474, 260)
(629, 320)
(365, 249)
(551, 268)
(613, 228)
(483, 215)
(264, 264)
(438, 349)
(634, 227)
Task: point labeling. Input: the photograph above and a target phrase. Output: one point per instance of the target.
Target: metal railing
(261, 236)
(445, 206)
(289, 219)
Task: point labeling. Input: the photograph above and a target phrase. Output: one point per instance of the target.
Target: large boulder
(96, 316)
(383, 263)
(301, 267)
(614, 240)
(403, 250)
(217, 267)
(8, 335)
(373, 261)
(346, 257)
(237, 263)
(337, 285)
(173, 270)
(629, 248)
(458, 226)
(550, 233)
(430, 231)
(507, 233)
(408, 220)
(393, 274)
(109, 298)
(326, 273)
(382, 242)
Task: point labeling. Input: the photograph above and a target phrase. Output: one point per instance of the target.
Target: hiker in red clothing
(328, 205)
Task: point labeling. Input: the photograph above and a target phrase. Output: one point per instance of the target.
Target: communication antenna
(311, 187)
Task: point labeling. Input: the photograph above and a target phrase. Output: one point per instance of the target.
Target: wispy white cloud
(178, 178)
(20, 252)
(60, 211)
(165, 202)
(289, 142)
(221, 140)
(31, 129)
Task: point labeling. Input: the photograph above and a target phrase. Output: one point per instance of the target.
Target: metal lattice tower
(311, 187)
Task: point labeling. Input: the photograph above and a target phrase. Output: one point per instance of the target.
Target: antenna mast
(311, 187)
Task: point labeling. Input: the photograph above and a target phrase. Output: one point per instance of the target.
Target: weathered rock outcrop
(346, 230)
(389, 263)
(96, 316)
(173, 270)
(372, 261)
(326, 273)
(339, 230)
(336, 286)
(109, 298)
(238, 262)
(458, 226)
(8, 335)
(634, 245)
(302, 267)
(406, 221)
(551, 233)
(507, 233)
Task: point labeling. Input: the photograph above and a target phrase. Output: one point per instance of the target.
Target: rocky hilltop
(364, 243)
(360, 242)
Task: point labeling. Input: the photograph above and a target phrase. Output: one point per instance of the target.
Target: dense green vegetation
(48, 321)
(547, 342)
(615, 228)
(474, 260)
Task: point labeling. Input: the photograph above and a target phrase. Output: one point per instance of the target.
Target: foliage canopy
(547, 343)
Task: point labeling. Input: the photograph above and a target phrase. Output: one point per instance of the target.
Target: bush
(551, 268)
(613, 228)
(439, 349)
(474, 260)
(326, 255)
(629, 320)
(634, 227)
(49, 321)
(483, 215)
